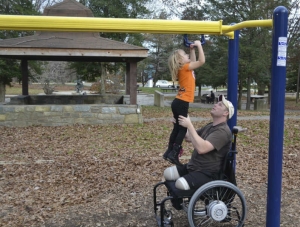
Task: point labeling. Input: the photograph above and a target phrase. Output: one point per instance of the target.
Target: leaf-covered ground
(104, 175)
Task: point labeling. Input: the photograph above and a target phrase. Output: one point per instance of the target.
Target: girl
(181, 66)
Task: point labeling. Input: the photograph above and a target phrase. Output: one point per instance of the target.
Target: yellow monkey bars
(87, 24)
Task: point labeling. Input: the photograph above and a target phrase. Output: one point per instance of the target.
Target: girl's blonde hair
(175, 63)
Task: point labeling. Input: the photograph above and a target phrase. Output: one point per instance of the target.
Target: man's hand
(184, 121)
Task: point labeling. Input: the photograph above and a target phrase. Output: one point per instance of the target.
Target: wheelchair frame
(218, 198)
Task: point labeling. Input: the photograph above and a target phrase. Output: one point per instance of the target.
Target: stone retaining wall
(57, 115)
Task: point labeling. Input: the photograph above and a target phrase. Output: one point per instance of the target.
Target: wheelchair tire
(217, 203)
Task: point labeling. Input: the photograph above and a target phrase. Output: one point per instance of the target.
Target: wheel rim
(221, 205)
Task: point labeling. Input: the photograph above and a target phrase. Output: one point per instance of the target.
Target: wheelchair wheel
(217, 203)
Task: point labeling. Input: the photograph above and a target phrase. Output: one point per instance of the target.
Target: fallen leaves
(104, 175)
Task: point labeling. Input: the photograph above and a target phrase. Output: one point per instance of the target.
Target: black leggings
(179, 107)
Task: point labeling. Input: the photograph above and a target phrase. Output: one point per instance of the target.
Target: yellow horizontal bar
(247, 24)
(230, 35)
(93, 24)
(86, 24)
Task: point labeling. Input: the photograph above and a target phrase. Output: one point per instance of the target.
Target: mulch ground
(103, 175)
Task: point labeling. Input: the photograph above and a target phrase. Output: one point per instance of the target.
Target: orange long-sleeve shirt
(186, 80)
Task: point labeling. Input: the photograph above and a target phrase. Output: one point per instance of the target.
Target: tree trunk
(269, 93)
(2, 92)
(103, 79)
(298, 84)
(248, 93)
(261, 88)
(199, 90)
(239, 107)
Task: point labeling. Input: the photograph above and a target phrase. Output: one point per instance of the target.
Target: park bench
(169, 89)
(255, 97)
(203, 98)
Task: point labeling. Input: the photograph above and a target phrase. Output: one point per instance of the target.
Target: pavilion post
(24, 71)
(131, 75)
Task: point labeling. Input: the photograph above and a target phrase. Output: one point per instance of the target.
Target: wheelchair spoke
(204, 221)
(209, 195)
(220, 205)
(225, 192)
(228, 200)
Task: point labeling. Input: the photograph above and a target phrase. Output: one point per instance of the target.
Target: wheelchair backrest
(228, 170)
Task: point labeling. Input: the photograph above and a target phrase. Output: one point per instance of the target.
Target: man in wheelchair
(212, 144)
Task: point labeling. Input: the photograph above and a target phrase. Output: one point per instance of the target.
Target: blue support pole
(233, 63)
(278, 80)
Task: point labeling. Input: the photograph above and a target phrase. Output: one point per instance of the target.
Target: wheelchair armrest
(239, 129)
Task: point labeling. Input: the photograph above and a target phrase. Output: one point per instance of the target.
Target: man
(211, 143)
(212, 97)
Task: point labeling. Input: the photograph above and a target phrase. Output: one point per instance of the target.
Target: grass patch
(150, 90)
(35, 89)
(17, 90)
(290, 103)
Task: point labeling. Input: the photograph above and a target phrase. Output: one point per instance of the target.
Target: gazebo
(73, 46)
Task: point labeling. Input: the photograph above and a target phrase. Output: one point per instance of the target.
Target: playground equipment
(187, 43)
(279, 53)
(86, 24)
(216, 203)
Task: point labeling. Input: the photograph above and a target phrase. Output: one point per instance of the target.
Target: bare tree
(40, 5)
(55, 73)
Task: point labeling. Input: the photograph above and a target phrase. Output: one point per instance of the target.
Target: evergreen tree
(293, 63)
(255, 43)
(9, 67)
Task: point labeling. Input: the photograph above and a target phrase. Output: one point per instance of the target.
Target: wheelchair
(216, 203)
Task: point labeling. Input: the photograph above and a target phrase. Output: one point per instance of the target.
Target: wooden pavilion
(73, 46)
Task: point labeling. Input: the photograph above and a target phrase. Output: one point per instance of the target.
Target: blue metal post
(278, 80)
(233, 63)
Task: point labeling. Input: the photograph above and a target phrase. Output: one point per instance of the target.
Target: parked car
(164, 84)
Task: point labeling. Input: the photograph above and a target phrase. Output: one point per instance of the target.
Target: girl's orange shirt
(186, 80)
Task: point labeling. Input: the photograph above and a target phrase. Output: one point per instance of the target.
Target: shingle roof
(70, 45)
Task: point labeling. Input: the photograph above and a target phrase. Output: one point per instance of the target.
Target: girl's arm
(201, 56)
(192, 54)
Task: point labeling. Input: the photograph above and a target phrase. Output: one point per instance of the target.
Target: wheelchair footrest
(166, 222)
